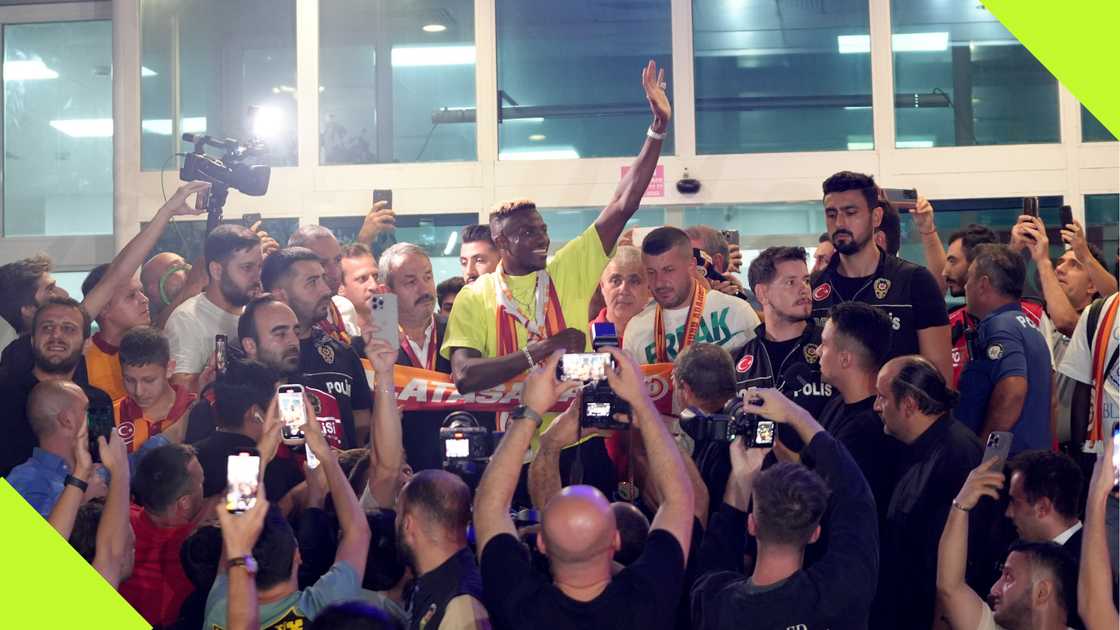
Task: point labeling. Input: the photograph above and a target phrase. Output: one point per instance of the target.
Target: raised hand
(1074, 235)
(177, 205)
(114, 454)
(380, 219)
(626, 378)
(983, 481)
(923, 215)
(240, 531)
(542, 389)
(268, 244)
(653, 82)
(381, 355)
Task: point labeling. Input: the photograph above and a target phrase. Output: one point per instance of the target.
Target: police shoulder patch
(811, 352)
(745, 363)
(327, 352)
(882, 286)
(995, 351)
(822, 292)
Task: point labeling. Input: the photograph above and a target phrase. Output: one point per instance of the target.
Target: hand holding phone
(243, 469)
(383, 194)
(1030, 206)
(293, 414)
(903, 199)
(999, 445)
(384, 316)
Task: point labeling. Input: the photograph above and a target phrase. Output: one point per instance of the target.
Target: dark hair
(225, 240)
(275, 549)
(450, 286)
(789, 501)
(476, 233)
(972, 235)
(891, 227)
(355, 615)
(1053, 558)
(247, 322)
(93, 278)
(633, 529)
(443, 498)
(18, 282)
(505, 211)
(144, 345)
(708, 370)
(663, 239)
(764, 267)
(711, 240)
(848, 180)
(279, 264)
(824, 238)
(384, 565)
(246, 383)
(200, 555)
(921, 381)
(63, 302)
(867, 326)
(161, 477)
(83, 536)
(1054, 476)
(1004, 268)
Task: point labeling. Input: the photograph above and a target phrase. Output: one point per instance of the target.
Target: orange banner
(419, 389)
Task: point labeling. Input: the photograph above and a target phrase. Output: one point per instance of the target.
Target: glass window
(58, 129)
(564, 224)
(1102, 218)
(569, 76)
(438, 234)
(235, 64)
(417, 105)
(761, 220)
(789, 76)
(962, 79)
(1092, 130)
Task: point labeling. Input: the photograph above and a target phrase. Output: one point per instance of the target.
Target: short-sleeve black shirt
(337, 372)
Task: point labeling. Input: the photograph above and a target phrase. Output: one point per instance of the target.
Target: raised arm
(380, 219)
(239, 536)
(113, 530)
(1032, 232)
(495, 490)
(65, 510)
(1103, 280)
(960, 603)
(544, 471)
(931, 241)
(666, 468)
(629, 193)
(130, 258)
(386, 453)
(472, 372)
(1094, 581)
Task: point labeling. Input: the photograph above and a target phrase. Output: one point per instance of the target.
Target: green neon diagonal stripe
(1077, 42)
(45, 583)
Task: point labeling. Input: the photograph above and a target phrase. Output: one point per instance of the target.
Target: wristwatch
(525, 412)
(248, 561)
(71, 480)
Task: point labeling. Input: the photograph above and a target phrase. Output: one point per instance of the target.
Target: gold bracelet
(960, 507)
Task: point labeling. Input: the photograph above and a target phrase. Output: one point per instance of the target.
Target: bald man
(57, 413)
(579, 533)
(163, 278)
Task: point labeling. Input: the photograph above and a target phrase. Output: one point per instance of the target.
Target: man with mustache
(58, 331)
(862, 271)
(624, 288)
(295, 277)
(233, 262)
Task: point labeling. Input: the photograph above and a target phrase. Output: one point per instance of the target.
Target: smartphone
(1030, 206)
(1065, 214)
(732, 236)
(585, 367)
(999, 445)
(202, 200)
(289, 400)
(903, 199)
(243, 469)
(385, 318)
(249, 219)
(221, 357)
(101, 424)
(382, 194)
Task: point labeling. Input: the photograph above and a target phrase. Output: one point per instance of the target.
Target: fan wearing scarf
(508, 320)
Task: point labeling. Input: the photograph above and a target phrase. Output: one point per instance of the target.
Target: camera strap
(691, 324)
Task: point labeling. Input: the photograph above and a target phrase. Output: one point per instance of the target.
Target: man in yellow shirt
(507, 321)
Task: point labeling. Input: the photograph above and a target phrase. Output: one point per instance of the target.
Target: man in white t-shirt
(684, 310)
(233, 263)
(1081, 364)
(323, 242)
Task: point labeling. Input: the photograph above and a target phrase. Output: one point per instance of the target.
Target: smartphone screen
(289, 400)
(1116, 452)
(382, 194)
(456, 448)
(585, 367)
(764, 434)
(101, 424)
(221, 357)
(243, 468)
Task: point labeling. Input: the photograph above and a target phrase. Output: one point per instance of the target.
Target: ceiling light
(27, 70)
(914, 144)
(85, 127)
(433, 28)
(536, 137)
(411, 56)
(162, 126)
(900, 42)
(543, 153)
(861, 146)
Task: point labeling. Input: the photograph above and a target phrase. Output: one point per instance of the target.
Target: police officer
(861, 271)
(784, 351)
(1006, 385)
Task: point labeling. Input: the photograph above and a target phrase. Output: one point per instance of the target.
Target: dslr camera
(734, 421)
(464, 440)
(599, 403)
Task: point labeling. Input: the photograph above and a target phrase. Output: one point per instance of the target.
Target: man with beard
(341, 320)
(861, 271)
(785, 350)
(433, 513)
(233, 262)
(477, 253)
(295, 276)
(126, 309)
(59, 329)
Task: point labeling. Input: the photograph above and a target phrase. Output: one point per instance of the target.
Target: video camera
(464, 440)
(599, 404)
(734, 421)
(239, 167)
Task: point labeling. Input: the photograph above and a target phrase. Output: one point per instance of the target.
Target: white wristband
(653, 134)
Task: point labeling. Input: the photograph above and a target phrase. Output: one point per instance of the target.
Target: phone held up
(243, 469)
(903, 199)
(999, 445)
(293, 416)
(385, 195)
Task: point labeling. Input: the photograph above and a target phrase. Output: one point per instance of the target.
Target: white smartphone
(243, 469)
(289, 400)
(385, 318)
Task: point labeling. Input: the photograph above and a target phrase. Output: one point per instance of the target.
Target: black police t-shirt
(336, 371)
(779, 350)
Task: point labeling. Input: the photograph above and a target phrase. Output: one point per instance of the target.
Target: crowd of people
(929, 468)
